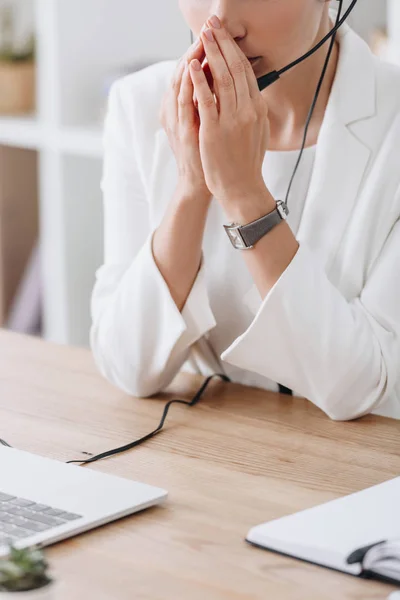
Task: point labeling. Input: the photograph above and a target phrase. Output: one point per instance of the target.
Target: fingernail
(215, 22)
(209, 35)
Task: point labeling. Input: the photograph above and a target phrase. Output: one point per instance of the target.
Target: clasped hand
(234, 126)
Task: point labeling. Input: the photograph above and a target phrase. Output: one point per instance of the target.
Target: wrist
(193, 204)
(197, 197)
(250, 207)
(189, 186)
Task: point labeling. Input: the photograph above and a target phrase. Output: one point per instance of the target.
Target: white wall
(393, 23)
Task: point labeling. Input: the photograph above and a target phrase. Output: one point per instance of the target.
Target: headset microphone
(270, 78)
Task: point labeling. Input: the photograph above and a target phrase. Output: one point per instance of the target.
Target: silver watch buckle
(282, 209)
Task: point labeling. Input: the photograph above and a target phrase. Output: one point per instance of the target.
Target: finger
(223, 80)
(210, 80)
(236, 64)
(186, 112)
(208, 111)
(172, 107)
(252, 83)
(196, 50)
(176, 77)
(208, 74)
(254, 90)
(169, 109)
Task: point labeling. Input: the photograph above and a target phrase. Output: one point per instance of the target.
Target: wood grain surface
(241, 457)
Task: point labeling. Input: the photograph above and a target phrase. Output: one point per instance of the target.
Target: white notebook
(327, 534)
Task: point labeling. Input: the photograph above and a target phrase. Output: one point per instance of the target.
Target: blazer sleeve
(139, 338)
(342, 355)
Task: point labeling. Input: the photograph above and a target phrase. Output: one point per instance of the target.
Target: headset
(266, 80)
(263, 82)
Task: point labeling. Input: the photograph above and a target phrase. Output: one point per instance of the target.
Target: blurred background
(58, 59)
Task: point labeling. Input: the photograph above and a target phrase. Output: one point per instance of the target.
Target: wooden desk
(241, 457)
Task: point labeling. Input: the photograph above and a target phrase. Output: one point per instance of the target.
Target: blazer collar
(352, 96)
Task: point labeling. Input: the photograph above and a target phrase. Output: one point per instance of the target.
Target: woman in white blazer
(314, 306)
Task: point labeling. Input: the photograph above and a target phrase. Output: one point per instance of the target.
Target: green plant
(24, 570)
(8, 52)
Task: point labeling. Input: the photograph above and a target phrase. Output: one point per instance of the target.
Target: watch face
(236, 238)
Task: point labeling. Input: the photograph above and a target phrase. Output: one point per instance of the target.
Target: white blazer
(329, 329)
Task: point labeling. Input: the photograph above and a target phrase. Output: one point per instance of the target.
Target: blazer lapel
(340, 164)
(342, 155)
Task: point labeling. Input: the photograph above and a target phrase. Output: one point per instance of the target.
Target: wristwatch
(243, 237)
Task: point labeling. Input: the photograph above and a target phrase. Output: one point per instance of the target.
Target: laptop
(43, 501)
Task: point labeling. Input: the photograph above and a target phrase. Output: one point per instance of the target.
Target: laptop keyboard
(21, 518)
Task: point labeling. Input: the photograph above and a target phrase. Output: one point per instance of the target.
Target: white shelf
(27, 132)
(23, 132)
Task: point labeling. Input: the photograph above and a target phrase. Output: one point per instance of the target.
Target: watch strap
(254, 231)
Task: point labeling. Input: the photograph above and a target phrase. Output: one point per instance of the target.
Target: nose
(229, 14)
